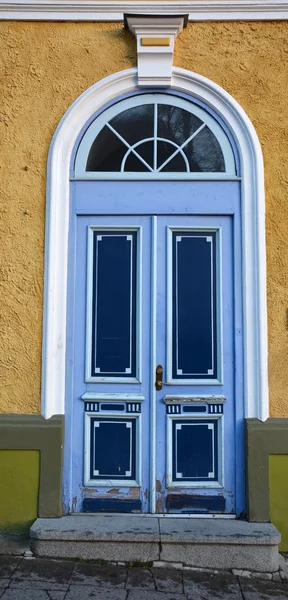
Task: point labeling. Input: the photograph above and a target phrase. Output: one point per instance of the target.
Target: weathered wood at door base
(200, 503)
(98, 505)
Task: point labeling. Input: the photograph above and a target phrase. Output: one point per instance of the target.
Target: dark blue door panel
(114, 304)
(112, 448)
(194, 450)
(194, 305)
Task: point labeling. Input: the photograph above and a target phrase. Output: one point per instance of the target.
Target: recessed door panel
(194, 304)
(113, 335)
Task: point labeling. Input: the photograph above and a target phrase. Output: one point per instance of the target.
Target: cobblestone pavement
(45, 579)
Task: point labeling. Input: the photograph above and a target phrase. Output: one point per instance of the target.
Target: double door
(153, 420)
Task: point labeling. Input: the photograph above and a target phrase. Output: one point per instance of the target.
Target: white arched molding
(253, 233)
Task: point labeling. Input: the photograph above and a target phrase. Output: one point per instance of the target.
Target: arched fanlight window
(154, 136)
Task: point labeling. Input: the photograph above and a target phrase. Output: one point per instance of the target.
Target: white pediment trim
(253, 233)
(80, 10)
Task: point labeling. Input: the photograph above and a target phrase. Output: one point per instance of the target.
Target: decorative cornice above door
(80, 10)
(155, 35)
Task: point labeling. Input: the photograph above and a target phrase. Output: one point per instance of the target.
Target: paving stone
(168, 580)
(210, 571)
(25, 595)
(140, 578)
(100, 575)
(242, 573)
(267, 576)
(261, 590)
(149, 595)
(54, 571)
(202, 586)
(4, 583)
(8, 565)
(85, 592)
(56, 595)
(14, 545)
(167, 565)
(38, 585)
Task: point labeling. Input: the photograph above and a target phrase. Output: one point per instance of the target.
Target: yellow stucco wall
(44, 67)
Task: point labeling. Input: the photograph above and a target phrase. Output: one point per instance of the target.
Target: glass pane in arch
(154, 134)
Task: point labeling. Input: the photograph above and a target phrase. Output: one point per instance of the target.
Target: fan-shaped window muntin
(155, 136)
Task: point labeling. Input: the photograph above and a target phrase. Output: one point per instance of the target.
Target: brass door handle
(159, 378)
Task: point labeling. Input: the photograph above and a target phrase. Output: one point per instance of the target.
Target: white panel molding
(105, 378)
(107, 397)
(182, 399)
(80, 10)
(206, 484)
(87, 452)
(253, 233)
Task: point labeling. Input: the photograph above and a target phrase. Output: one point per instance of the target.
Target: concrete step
(205, 543)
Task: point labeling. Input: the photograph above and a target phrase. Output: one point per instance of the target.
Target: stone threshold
(213, 544)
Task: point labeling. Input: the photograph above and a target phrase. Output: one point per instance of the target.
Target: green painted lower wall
(19, 485)
(264, 439)
(31, 454)
(267, 473)
(278, 488)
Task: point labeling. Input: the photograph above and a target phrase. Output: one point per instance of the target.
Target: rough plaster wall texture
(44, 67)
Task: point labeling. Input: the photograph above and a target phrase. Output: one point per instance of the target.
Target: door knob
(159, 378)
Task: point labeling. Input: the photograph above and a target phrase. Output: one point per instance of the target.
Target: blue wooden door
(157, 412)
(195, 412)
(112, 364)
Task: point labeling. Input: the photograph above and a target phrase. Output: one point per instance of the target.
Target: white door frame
(253, 233)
